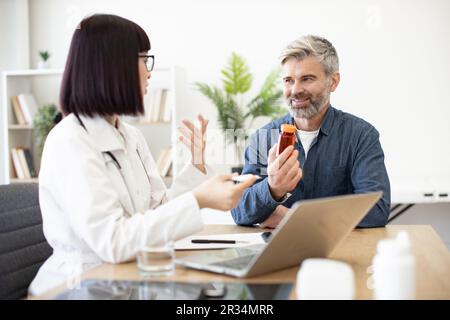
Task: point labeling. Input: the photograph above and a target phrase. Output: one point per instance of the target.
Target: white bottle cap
(325, 279)
(403, 239)
(395, 246)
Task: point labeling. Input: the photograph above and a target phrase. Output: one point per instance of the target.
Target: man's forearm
(255, 206)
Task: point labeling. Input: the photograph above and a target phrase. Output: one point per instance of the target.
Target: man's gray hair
(313, 46)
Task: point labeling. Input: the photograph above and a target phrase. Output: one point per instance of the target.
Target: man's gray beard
(314, 108)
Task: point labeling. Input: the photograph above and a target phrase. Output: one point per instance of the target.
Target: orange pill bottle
(286, 138)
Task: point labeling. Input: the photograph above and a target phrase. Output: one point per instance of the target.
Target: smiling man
(335, 153)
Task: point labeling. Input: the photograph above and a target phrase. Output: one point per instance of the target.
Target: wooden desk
(432, 270)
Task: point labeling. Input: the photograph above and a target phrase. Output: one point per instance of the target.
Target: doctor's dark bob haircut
(101, 76)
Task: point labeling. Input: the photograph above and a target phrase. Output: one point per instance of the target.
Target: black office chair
(23, 248)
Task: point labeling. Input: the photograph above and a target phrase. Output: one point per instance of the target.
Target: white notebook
(242, 239)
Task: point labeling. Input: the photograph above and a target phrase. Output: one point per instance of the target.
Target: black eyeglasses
(149, 61)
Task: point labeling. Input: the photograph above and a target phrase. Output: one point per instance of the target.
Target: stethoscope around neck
(113, 158)
(109, 153)
(119, 167)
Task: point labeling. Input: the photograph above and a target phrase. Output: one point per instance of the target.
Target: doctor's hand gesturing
(220, 192)
(195, 140)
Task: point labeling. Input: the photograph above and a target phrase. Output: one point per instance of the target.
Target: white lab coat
(93, 212)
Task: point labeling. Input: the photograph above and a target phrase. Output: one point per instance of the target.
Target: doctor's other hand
(195, 140)
(275, 217)
(220, 192)
(283, 172)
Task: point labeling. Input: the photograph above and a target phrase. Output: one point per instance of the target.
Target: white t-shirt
(306, 138)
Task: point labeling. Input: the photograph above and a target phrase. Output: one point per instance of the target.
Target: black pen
(212, 241)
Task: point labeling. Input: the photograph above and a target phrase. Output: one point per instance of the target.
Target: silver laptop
(311, 228)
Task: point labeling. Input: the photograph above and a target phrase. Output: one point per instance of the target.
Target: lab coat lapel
(107, 139)
(103, 134)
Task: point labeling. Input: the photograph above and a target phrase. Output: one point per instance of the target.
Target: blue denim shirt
(345, 158)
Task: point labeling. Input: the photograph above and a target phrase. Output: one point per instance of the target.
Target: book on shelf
(166, 112)
(17, 110)
(23, 163)
(16, 164)
(164, 162)
(155, 106)
(169, 171)
(28, 106)
(157, 94)
(30, 162)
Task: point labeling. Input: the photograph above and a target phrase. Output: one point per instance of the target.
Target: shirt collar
(105, 135)
(327, 121)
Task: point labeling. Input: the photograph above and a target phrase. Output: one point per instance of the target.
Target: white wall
(14, 49)
(14, 44)
(394, 56)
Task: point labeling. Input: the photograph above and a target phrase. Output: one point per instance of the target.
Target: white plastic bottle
(394, 269)
(325, 279)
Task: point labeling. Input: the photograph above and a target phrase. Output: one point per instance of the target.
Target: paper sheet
(242, 239)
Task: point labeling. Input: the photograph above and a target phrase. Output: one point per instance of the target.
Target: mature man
(335, 152)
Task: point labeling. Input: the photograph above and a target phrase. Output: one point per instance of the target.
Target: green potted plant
(44, 121)
(43, 63)
(234, 114)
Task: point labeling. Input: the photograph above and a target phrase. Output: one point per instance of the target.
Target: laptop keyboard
(237, 263)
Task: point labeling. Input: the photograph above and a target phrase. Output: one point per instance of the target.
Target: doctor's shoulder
(67, 135)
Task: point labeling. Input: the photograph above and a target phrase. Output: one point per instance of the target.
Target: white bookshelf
(45, 85)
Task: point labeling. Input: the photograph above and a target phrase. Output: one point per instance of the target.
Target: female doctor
(99, 189)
